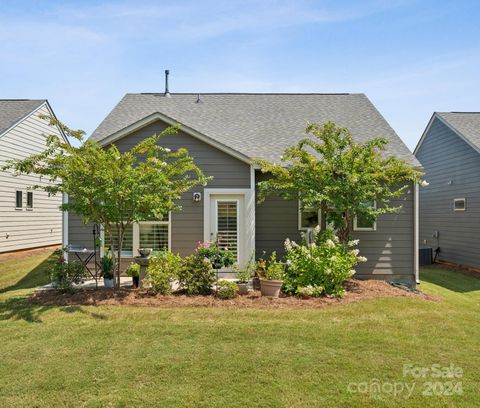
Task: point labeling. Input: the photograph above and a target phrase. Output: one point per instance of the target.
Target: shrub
(226, 290)
(196, 275)
(218, 257)
(65, 274)
(271, 269)
(320, 267)
(162, 269)
(133, 270)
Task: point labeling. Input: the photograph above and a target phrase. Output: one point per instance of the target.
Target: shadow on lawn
(455, 281)
(36, 277)
(20, 308)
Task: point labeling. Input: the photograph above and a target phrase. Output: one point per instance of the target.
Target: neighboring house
(223, 132)
(449, 151)
(28, 218)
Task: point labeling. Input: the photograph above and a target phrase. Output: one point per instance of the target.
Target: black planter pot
(136, 281)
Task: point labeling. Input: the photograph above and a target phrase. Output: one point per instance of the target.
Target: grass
(126, 356)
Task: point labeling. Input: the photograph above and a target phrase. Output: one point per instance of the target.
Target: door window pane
(227, 228)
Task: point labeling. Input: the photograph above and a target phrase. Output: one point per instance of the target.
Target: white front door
(227, 223)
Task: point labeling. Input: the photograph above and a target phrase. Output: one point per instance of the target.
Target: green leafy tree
(328, 171)
(111, 188)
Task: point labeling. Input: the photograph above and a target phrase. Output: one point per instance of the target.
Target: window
(127, 245)
(361, 223)
(459, 204)
(153, 235)
(308, 217)
(18, 199)
(30, 199)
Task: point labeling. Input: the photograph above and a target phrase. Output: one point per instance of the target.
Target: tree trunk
(119, 257)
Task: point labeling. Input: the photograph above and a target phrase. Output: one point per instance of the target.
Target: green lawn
(136, 357)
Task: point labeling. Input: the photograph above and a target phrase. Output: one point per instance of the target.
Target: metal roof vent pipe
(167, 93)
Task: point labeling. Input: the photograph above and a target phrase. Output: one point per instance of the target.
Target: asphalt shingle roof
(466, 123)
(12, 110)
(258, 125)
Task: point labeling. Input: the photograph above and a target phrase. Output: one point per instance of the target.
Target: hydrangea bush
(320, 267)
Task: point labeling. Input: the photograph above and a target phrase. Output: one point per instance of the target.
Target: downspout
(65, 227)
(416, 233)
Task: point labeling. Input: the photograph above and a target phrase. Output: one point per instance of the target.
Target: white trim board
(169, 121)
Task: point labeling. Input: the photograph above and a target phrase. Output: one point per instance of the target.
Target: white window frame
(455, 200)
(372, 228)
(300, 228)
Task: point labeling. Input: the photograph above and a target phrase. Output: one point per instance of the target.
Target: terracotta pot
(270, 288)
(256, 283)
(242, 288)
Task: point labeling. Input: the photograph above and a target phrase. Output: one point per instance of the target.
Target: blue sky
(410, 57)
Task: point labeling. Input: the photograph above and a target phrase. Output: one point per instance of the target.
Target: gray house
(223, 132)
(449, 151)
(28, 218)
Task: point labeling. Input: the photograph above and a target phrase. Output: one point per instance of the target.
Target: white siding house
(28, 218)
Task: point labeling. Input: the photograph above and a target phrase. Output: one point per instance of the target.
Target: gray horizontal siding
(187, 224)
(389, 249)
(446, 157)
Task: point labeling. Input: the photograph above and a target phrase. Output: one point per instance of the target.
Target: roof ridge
(244, 93)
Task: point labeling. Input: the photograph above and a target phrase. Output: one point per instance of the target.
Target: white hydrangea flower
(330, 243)
(353, 242)
(335, 238)
(333, 258)
(352, 272)
(167, 150)
(328, 271)
(355, 252)
(294, 244)
(288, 244)
(362, 259)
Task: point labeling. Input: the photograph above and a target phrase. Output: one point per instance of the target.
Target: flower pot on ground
(106, 265)
(244, 274)
(271, 276)
(134, 271)
(271, 288)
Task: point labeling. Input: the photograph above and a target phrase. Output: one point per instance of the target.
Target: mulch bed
(357, 290)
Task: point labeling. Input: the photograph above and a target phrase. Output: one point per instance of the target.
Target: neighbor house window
(30, 199)
(459, 204)
(361, 223)
(308, 217)
(19, 199)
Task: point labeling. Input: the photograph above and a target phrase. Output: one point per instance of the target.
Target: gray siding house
(28, 218)
(449, 151)
(223, 133)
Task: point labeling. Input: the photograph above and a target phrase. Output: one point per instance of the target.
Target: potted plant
(244, 275)
(217, 256)
(261, 270)
(134, 271)
(106, 265)
(271, 278)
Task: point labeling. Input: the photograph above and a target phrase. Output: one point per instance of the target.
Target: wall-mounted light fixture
(197, 197)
